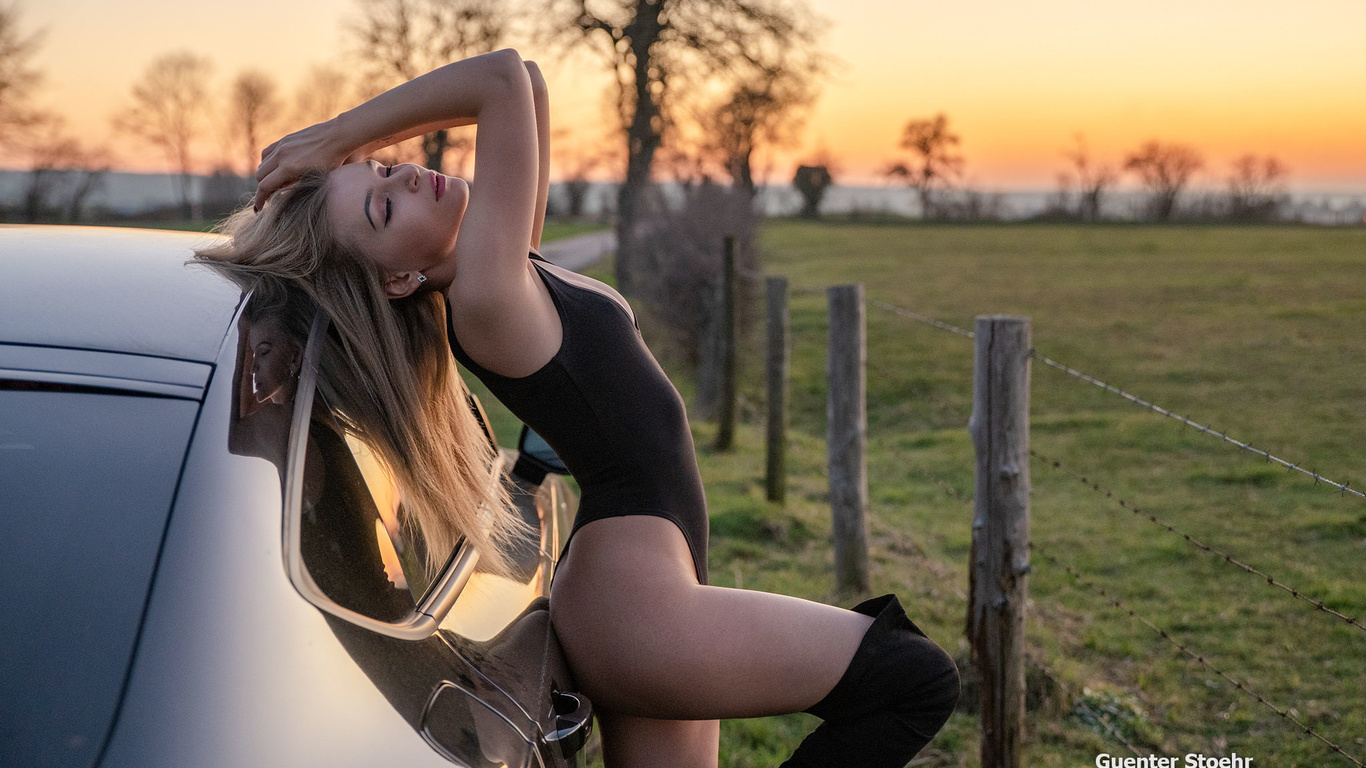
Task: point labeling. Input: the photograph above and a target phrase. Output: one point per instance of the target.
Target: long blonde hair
(389, 370)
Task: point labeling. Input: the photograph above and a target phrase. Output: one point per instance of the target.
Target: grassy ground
(1255, 331)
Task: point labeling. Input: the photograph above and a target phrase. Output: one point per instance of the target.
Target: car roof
(114, 290)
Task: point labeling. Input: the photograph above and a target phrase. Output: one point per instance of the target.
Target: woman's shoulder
(511, 329)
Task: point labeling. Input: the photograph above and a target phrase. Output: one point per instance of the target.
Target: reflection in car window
(342, 530)
(350, 505)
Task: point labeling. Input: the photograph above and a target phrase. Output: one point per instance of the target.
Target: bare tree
(62, 174)
(89, 175)
(766, 107)
(321, 95)
(167, 111)
(1092, 180)
(653, 45)
(48, 147)
(935, 164)
(1165, 170)
(401, 39)
(17, 77)
(254, 110)
(1256, 188)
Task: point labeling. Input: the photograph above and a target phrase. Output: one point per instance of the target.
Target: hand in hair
(460, 93)
(284, 161)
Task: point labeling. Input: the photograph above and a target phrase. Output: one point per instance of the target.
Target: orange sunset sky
(1017, 79)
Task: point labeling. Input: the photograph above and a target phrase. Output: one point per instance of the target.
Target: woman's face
(404, 217)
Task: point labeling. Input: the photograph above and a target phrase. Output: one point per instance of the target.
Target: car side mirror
(535, 458)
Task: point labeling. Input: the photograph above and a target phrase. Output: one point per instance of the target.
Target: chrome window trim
(104, 382)
(446, 587)
(108, 370)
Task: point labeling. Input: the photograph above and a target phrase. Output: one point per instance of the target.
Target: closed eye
(388, 202)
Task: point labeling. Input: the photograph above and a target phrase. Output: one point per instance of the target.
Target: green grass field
(1255, 331)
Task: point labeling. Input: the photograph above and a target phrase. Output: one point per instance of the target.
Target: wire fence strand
(1226, 557)
(1343, 488)
(919, 318)
(1034, 547)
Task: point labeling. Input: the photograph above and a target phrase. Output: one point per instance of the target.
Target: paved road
(580, 251)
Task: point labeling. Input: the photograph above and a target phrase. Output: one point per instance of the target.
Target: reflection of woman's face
(275, 357)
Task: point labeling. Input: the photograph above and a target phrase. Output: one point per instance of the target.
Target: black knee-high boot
(896, 694)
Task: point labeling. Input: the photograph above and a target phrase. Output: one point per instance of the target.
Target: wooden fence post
(725, 428)
(776, 364)
(1000, 532)
(847, 436)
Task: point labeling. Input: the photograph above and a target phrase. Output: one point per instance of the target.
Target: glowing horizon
(1017, 82)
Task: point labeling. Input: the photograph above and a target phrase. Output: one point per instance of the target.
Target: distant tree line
(1253, 191)
(704, 91)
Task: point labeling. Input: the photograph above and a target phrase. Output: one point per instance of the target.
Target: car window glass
(345, 542)
(350, 539)
(86, 485)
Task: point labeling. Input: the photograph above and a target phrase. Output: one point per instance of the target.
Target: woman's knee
(896, 668)
(930, 685)
(898, 691)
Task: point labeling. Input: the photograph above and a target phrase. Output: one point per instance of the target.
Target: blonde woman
(409, 261)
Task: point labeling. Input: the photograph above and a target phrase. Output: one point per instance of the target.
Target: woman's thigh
(645, 639)
(642, 742)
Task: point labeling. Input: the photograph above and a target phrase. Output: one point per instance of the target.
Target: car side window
(345, 547)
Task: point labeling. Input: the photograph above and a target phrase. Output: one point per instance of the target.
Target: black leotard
(608, 410)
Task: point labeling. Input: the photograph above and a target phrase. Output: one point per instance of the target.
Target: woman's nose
(412, 175)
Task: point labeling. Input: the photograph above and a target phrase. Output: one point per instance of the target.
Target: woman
(661, 654)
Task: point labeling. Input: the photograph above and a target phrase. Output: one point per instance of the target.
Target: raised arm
(454, 95)
(541, 96)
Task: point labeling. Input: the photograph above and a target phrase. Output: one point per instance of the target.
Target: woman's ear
(403, 284)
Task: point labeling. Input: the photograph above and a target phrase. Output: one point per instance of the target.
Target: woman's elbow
(509, 70)
(509, 59)
(537, 79)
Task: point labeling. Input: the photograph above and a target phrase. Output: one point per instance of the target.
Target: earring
(421, 278)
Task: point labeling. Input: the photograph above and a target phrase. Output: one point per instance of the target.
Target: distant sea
(133, 193)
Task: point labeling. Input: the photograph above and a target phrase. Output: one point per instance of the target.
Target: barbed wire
(954, 492)
(1226, 557)
(759, 277)
(919, 318)
(1343, 488)
(1192, 654)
